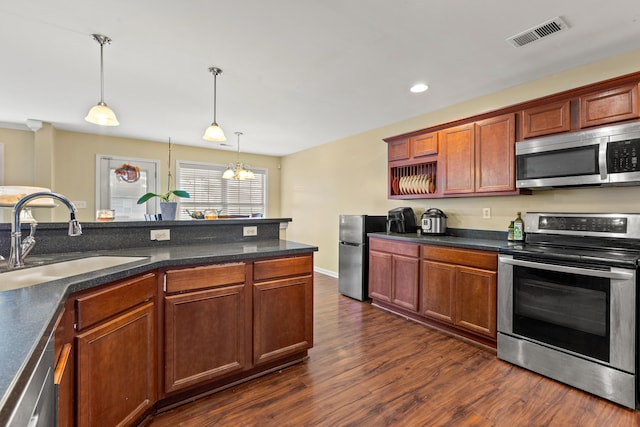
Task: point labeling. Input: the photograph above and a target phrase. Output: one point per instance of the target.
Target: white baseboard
(324, 271)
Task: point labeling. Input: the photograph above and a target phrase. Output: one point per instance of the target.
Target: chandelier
(238, 170)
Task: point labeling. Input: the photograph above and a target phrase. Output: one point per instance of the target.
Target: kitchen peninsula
(207, 268)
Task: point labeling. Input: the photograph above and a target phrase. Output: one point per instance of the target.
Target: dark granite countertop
(470, 239)
(28, 315)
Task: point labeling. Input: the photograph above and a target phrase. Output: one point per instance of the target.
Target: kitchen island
(28, 315)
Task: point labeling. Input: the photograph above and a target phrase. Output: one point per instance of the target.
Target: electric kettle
(434, 221)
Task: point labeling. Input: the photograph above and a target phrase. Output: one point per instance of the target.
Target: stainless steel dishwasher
(36, 406)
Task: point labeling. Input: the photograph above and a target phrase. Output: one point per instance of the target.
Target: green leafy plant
(166, 197)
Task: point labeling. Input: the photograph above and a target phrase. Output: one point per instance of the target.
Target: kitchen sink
(24, 277)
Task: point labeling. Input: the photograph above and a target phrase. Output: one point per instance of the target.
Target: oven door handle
(620, 275)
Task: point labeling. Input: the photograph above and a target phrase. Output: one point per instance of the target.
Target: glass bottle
(518, 228)
(510, 234)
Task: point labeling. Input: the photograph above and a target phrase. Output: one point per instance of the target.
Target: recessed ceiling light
(419, 87)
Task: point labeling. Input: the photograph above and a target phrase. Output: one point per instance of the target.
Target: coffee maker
(401, 220)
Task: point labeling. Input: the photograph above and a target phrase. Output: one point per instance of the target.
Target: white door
(120, 191)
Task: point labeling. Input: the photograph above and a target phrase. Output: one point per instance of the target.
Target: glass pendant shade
(214, 133)
(101, 114)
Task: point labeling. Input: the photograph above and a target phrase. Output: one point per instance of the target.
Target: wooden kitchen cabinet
(394, 273)
(425, 144)
(495, 140)
(480, 157)
(458, 159)
(459, 288)
(282, 308)
(546, 119)
(64, 376)
(206, 324)
(609, 106)
(116, 352)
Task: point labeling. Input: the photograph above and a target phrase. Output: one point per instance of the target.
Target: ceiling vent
(536, 33)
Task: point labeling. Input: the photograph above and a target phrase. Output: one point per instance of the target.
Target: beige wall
(66, 163)
(349, 176)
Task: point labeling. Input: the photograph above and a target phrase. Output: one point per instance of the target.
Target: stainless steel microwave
(601, 156)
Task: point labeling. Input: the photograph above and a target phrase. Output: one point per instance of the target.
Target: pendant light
(238, 171)
(214, 132)
(101, 114)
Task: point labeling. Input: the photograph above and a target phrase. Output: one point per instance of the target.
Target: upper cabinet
(479, 157)
(475, 156)
(609, 106)
(546, 119)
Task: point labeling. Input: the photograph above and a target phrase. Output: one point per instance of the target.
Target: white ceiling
(296, 73)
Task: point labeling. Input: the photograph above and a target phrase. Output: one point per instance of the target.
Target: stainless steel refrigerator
(353, 253)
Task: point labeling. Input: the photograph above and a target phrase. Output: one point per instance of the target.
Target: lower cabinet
(394, 272)
(450, 288)
(116, 353)
(461, 296)
(205, 331)
(282, 308)
(120, 357)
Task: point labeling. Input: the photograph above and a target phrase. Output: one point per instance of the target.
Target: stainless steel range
(567, 302)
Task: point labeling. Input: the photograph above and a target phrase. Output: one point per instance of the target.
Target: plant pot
(168, 210)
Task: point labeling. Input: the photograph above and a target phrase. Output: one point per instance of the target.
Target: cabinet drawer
(395, 247)
(282, 267)
(189, 279)
(100, 305)
(468, 257)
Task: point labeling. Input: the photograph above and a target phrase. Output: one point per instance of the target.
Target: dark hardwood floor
(373, 368)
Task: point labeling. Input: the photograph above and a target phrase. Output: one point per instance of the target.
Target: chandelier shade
(238, 171)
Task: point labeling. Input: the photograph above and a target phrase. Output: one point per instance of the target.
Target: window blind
(208, 190)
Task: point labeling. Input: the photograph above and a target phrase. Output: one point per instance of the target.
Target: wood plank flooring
(373, 368)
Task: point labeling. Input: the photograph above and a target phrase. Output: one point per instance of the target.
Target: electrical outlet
(160, 235)
(486, 213)
(80, 204)
(250, 231)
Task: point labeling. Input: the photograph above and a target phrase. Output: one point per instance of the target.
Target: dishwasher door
(37, 404)
(352, 270)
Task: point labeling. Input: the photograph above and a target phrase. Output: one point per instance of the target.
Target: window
(208, 190)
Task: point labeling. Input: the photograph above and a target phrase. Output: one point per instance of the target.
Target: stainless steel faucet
(20, 248)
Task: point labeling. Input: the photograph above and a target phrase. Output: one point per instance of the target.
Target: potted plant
(168, 207)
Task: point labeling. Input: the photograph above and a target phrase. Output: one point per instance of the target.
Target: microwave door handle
(602, 158)
(620, 275)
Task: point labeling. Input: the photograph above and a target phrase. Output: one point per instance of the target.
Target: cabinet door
(438, 291)
(546, 119)
(405, 283)
(424, 145)
(458, 146)
(609, 106)
(476, 300)
(398, 150)
(283, 318)
(380, 271)
(205, 336)
(495, 154)
(116, 373)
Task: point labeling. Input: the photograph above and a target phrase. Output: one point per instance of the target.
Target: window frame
(218, 167)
